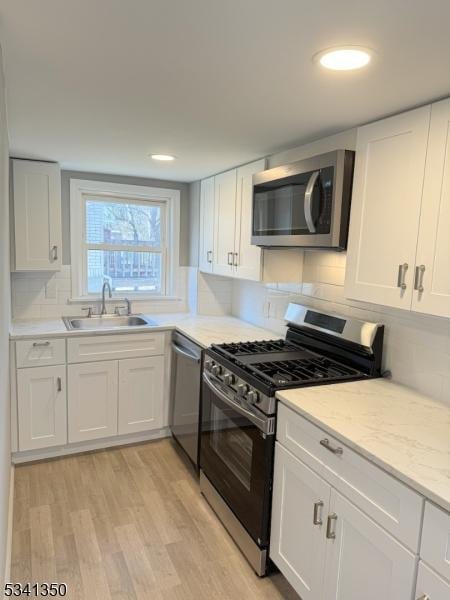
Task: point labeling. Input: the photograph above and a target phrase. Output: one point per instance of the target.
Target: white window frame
(80, 189)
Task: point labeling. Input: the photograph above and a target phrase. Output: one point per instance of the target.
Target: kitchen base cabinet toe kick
(331, 535)
(110, 391)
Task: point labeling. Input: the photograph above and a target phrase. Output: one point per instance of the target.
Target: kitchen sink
(107, 322)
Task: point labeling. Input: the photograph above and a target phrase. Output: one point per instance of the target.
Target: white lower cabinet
(300, 506)
(93, 396)
(430, 586)
(42, 407)
(141, 394)
(363, 560)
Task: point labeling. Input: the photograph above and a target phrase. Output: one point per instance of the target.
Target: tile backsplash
(416, 349)
(41, 295)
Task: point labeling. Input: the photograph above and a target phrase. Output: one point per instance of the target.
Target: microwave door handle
(308, 201)
(265, 425)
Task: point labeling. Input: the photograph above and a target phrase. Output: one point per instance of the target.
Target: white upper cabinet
(37, 216)
(432, 277)
(225, 221)
(246, 257)
(206, 250)
(386, 201)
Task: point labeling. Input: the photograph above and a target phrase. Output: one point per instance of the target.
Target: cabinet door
(386, 200)
(430, 586)
(363, 560)
(42, 407)
(92, 400)
(247, 258)
(37, 216)
(225, 219)
(298, 544)
(141, 397)
(206, 249)
(433, 249)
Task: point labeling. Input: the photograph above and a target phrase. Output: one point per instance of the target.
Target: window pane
(125, 271)
(120, 223)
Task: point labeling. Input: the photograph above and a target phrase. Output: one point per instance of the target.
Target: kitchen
(225, 300)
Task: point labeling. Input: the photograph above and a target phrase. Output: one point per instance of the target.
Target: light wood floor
(126, 524)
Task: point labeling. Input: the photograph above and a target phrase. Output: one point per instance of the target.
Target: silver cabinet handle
(331, 534)
(58, 384)
(230, 258)
(209, 256)
(418, 278)
(235, 261)
(317, 517)
(40, 344)
(308, 201)
(401, 276)
(326, 444)
(55, 252)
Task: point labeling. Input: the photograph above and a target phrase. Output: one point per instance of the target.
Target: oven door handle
(266, 425)
(308, 201)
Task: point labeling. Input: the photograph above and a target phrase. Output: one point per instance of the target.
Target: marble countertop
(400, 430)
(202, 329)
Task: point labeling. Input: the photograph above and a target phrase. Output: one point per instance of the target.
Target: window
(126, 235)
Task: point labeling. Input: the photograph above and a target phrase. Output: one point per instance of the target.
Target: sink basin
(107, 322)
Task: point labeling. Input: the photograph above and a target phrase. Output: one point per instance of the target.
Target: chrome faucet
(105, 285)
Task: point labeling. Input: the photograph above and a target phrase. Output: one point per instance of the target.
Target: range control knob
(228, 378)
(253, 397)
(216, 370)
(208, 365)
(242, 389)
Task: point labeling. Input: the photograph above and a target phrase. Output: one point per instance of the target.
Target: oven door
(236, 454)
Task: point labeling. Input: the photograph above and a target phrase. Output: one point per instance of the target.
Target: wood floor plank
(126, 524)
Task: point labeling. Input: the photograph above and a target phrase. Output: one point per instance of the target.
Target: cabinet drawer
(430, 586)
(435, 546)
(109, 347)
(40, 352)
(388, 501)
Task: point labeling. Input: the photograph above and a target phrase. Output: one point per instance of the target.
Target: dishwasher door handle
(185, 353)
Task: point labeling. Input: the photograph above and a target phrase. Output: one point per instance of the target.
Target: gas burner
(252, 348)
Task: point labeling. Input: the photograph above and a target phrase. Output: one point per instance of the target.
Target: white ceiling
(99, 84)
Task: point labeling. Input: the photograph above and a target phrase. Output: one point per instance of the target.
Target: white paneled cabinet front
(206, 250)
(247, 258)
(431, 293)
(224, 222)
(362, 559)
(42, 407)
(299, 509)
(37, 216)
(141, 394)
(92, 400)
(386, 201)
(430, 585)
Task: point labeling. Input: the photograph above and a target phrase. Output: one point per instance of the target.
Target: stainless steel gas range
(239, 382)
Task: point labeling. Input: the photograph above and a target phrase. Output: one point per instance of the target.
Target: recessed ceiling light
(345, 58)
(162, 157)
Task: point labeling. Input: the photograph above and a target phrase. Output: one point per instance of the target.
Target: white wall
(5, 446)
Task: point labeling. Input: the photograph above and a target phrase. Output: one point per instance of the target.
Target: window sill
(131, 297)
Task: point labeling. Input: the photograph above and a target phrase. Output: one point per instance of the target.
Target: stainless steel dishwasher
(184, 416)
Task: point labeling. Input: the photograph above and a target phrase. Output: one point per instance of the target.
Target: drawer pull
(326, 444)
(40, 344)
(317, 517)
(331, 534)
(58, 384)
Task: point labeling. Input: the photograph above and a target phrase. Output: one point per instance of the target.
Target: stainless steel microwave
(305, 203)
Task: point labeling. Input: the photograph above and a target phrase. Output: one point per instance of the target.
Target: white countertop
(400, 430)
(204, 330)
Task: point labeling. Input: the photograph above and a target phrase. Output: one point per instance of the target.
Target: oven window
(233, 445)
